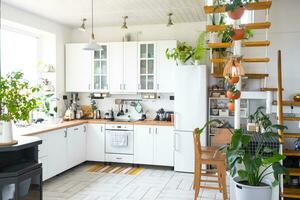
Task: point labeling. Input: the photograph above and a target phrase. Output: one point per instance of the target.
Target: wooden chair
(208, 156)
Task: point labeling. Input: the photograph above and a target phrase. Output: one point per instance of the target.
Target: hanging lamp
(82, 27)
(124, 26)
(92, 45)
(233, 67)
(170, 21)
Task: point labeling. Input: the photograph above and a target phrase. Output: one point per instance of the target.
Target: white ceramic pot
(7, 134)
(247, 192)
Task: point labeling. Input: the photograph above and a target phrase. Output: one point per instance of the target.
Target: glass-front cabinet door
(100, 69)
(147, 62)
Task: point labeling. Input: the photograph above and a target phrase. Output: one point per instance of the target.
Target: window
(19, 52)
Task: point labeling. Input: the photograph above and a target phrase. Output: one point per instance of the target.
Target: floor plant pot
(236, 13)
(247, 192)
(7, 135)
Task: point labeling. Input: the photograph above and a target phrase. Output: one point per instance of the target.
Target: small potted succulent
(182, 53)
(233, 93)
(236, 8)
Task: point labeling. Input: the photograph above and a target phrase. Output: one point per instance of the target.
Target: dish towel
(118, 139)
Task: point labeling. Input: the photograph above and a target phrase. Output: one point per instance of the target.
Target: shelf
(294, 171)
(258, 25)
(291, 135)
(293, 193)
(244, 44)
(251, 6)
(289, 152)
(269, 90)
(291, 118)
(255, 60)
(249, 76)
(219, 45)
(288, 103)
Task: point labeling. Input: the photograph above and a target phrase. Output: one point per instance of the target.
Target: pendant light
(92, 46)
(233, 67)
(170, 21)
(82, 27)
(124, 26)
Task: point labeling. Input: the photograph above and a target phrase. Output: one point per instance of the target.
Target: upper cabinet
(147, 65)
(100, 69)
(130, 67)
(78, 68)
(116, 60)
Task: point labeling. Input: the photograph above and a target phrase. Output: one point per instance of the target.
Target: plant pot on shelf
(238, 34)
(236, 13)
(247, 192)
(233, 95)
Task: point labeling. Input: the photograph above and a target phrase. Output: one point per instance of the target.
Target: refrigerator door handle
(176, 141)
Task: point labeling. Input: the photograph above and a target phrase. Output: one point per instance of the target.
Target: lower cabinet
(76, 145)
(153, 145)
(95, 142)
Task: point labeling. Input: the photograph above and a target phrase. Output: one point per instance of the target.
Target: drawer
(119, 158)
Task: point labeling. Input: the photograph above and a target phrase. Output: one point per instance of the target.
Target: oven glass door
(119, 142)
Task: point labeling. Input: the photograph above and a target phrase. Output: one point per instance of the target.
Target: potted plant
(261, 120)
(16, 102)
(232, 79)
(230, 105)
(237, 33)
(236, 8)
(216, 19)
(233, 93)
(199, 53)
(182, 53)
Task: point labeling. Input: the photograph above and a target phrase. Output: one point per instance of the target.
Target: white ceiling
(110, 12)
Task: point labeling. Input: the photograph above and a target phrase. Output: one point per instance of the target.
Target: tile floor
(151, 183)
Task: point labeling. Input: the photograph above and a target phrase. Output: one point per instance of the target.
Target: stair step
(251, 6)
(248, 75)
(291, 118)
(294, 171)
(289, 152)
(293, 193)
(288, 103)
(269, 89)
(244, 44)
(291, 135)
(223, 60)
(257, 25)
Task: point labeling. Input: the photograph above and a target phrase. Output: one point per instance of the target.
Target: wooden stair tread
(289, 152)
(269, 89)
(223, 60)
(291, 135)
(294, 171)
(248, 75)
(291, 118)
(244, 44)
(291, 193)
(288, 103)
(251, 6)
(257, 25)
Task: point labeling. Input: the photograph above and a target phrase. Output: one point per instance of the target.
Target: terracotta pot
(237, 13)
(230, 106)
(232, 95)
(233, 80)
(239, 34)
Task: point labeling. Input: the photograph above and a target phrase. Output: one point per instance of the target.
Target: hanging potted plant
(230, 105)
(232, 79)
(233, 93)
(236, 8)
(181, 54)
(199, 53)
(237, 33)
(16, 102)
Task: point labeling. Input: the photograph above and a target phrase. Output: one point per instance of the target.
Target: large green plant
(252, 167)
(182, 52)
(16, 97)
(199, 53)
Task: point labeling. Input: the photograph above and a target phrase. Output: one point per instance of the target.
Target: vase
(7, 135)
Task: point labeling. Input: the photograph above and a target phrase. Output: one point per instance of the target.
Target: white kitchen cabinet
(147, 67)
(130, 83)
(163, 146)
(165, 69)
(143, 145)
(78, 68)
(57, 152)
(100, 69)
(116, 60)
(154, 145)
(76, 145)
(43, 154)
(95, 142)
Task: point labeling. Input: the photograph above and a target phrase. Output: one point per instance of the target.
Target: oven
(119, 139)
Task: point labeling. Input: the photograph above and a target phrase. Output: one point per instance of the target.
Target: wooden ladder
(293, 193)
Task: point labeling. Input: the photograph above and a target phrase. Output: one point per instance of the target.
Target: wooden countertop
(43, 128)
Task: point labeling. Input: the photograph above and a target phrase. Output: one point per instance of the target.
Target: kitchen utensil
(139, 107)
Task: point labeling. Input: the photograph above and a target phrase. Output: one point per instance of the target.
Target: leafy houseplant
(231, 33)
(250, 166)
(261, 119)
(16, 101)
(200, 49)
(181, 53)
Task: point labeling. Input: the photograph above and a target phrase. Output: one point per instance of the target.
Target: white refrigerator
(190, 108)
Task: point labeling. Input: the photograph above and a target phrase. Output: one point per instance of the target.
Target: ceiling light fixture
(92, 45)
(82, 27)
(170, 21)
(124, 26)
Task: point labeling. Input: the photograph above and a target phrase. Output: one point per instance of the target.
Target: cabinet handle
(75, 129)
(149, 130)
(66, 133)
(101, 128)
(156, 131)
(84, 128)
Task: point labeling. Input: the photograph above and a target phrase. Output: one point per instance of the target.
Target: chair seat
(210, 156)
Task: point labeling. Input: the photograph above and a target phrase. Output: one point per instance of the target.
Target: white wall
(61, 32)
